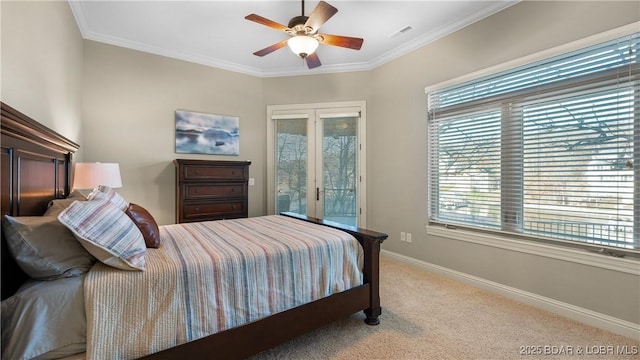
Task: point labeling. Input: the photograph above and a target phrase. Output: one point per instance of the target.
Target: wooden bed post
(372, 277)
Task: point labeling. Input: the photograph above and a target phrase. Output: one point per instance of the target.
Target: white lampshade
(90, 175)
(303, 45)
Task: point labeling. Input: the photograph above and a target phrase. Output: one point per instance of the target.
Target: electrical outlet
(408, 237)
(403, 236)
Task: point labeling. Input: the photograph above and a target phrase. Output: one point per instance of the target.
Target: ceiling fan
(304, 34)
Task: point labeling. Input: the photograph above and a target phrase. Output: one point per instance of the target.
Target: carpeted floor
(427, 316)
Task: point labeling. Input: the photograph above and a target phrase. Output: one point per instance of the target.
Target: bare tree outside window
(546, 150)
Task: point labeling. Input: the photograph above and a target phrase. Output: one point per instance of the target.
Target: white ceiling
(215, 33)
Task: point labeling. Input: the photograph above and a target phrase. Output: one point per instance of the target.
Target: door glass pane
(339, 174)
(291, 165)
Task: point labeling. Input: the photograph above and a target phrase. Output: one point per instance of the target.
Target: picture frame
(201, 133)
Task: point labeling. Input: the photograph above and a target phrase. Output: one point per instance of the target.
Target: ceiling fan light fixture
(303, 45)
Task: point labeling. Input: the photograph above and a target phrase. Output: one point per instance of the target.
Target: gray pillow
(44, 320)
(44, 248)
(56, 206)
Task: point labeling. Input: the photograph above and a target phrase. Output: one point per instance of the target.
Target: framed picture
(198, 133)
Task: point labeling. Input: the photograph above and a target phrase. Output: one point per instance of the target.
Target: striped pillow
(106, 193)
(107, 233)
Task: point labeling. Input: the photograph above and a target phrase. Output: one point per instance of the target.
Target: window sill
(624, 265)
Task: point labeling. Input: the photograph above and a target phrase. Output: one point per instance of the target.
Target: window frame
(529, 243)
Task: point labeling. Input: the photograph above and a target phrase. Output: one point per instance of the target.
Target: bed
(36, 168)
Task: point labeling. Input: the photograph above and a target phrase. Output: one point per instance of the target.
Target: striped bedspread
(211, 276)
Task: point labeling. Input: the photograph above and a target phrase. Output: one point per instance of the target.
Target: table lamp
(90, 175)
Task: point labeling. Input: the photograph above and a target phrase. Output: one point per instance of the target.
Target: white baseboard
(602, 321)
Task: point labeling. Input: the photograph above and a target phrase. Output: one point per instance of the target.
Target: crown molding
(81, 20)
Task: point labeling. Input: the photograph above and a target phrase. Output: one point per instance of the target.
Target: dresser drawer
(204, 172)
(213, 210)
(207, 191)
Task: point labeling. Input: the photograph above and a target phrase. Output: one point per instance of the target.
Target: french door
(317, 162)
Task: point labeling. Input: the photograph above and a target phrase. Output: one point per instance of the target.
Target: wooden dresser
(211, 190)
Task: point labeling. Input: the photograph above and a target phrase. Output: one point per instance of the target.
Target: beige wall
(353, 86)
(42, 64)
(129, 99)
(398, 175)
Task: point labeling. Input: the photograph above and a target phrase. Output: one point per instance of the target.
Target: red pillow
(146, 223)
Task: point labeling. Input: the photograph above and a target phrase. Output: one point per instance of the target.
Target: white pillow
(106, 193)
(107, 233)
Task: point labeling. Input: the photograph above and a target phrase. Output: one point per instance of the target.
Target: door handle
(317, 194)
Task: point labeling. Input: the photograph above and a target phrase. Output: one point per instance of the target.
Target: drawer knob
(233, 189)
(197, 171)
(197, 209)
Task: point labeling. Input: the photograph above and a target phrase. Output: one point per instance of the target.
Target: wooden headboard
(36, 167)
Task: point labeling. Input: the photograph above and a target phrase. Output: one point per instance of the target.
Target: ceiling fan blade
(342, 41)
(272, 48)
(313, 61)
(264, 21)
(320, 15)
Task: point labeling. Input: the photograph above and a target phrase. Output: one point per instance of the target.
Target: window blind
(545, 150)
(617, 54)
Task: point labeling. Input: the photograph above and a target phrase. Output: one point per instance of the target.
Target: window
(549, 150)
